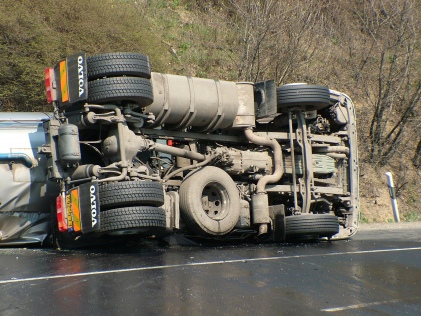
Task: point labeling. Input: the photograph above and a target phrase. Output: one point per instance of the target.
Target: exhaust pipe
(260, 201)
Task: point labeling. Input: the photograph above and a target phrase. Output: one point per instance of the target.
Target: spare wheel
(210, 202)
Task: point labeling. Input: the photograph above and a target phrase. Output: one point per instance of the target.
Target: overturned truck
(133, 153)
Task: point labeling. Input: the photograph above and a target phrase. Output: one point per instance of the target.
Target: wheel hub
(215, 201)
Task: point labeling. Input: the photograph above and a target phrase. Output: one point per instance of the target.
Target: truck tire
(313, 97)
(210, 202)
(118, 64)
(138, 220)
(311, 225)
(129, 193)
(121, 89)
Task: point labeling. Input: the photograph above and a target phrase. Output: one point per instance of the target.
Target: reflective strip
(76, 210)
(63, 82)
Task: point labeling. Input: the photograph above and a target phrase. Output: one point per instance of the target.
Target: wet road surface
(378, 272)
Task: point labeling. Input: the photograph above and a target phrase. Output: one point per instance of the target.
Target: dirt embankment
(375, 201)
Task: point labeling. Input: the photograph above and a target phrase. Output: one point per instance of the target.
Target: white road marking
(363, 305)
(193, 264)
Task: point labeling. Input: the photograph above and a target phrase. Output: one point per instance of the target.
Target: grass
(412, 216)
(364, 219)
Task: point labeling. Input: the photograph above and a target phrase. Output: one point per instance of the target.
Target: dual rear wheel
(127, 208)
(119, 78)
(132, 208)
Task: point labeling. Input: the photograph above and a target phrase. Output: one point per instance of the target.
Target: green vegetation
(363, 218)
(35, 34)
(412, 216)
(367, 49)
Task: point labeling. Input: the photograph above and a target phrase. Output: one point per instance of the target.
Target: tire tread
(323, 225)
(118, 64)
(132, 217)
(130, 89)
(130, 193)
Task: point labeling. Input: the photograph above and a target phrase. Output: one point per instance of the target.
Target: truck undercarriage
(131, 152)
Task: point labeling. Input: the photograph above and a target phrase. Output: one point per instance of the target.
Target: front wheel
(311, 226)
(312, 97)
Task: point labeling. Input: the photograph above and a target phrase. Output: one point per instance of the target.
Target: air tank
(68, 144)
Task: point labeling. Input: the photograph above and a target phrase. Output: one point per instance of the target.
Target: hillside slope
(367, 49)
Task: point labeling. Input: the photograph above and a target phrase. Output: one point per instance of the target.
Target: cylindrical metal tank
(68, 143)
(181, 102)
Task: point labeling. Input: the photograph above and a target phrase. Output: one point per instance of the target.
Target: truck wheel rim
(215, 201)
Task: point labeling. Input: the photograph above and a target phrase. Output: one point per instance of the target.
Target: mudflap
(83, 209)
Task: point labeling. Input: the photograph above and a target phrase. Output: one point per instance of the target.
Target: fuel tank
(204, 104)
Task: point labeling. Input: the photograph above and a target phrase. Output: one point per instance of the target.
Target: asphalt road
(378, 272)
